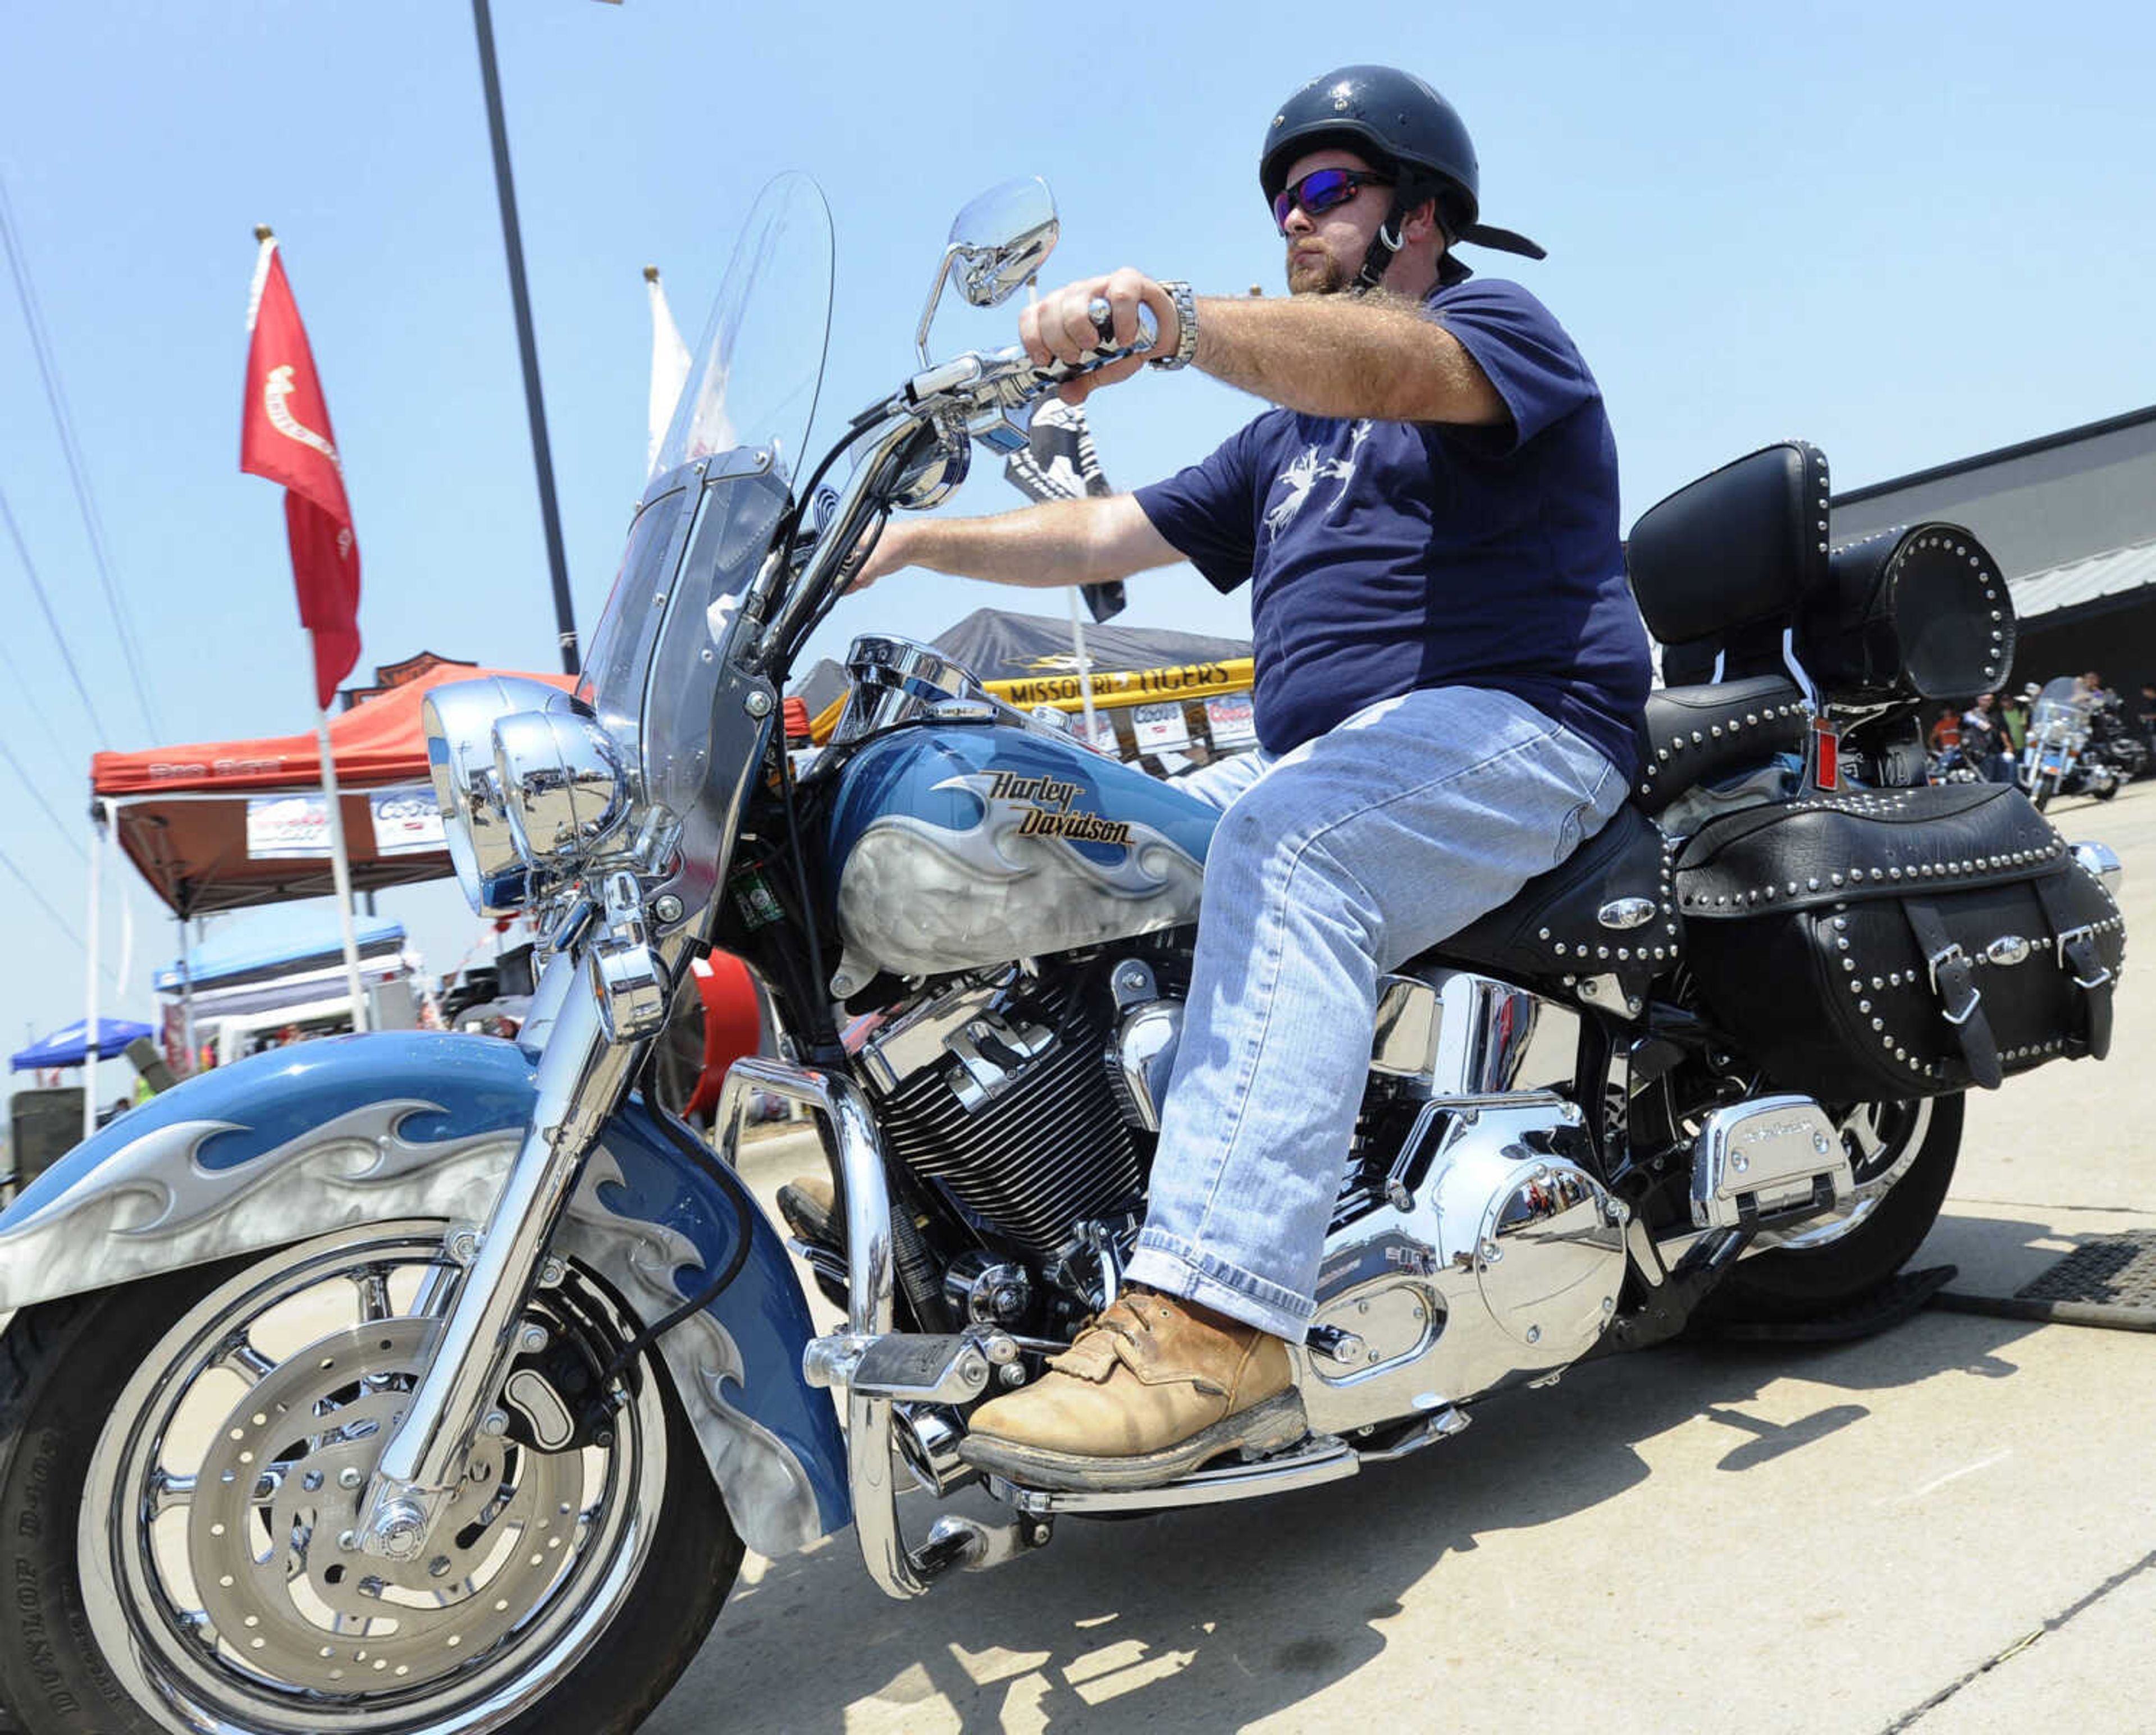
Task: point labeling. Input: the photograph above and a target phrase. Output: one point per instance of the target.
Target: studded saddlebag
(1879, 944)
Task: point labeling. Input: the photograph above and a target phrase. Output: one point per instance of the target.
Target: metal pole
(341, 873)
(565, 618)
(187, 1004)
(1084, 664)
(89, 1055)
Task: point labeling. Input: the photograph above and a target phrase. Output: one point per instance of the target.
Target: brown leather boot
(1153, 1388)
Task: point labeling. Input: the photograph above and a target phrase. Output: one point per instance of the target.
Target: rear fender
(296, 1141)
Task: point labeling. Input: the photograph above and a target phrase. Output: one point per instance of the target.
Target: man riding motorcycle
(1449, 667)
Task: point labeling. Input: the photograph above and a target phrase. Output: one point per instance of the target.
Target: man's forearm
(1346, 357)
(1056, 542)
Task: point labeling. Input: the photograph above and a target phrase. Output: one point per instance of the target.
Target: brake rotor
(284, 1587)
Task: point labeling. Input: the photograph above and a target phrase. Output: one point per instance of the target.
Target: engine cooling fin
(1048, 1150)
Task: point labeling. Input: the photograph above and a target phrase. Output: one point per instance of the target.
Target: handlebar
(1007, 379)
(969, 395)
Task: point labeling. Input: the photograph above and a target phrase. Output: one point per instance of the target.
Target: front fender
(296, 1141)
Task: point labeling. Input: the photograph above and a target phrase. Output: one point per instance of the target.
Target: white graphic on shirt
(1307, 470)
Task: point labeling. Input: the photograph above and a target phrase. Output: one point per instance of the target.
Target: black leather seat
(1609, 909)
(1696, 733)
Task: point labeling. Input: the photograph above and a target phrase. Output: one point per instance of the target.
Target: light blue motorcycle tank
(960, 846)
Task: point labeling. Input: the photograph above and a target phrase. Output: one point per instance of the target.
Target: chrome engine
(1476, 1249)
(1503, 1257)
(1482, 1249)
(997, 1089)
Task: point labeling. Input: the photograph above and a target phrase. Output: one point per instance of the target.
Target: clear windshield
(751, 394)
(761, 363)
(2062, 706)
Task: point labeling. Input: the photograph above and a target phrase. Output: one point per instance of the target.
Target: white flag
(669, 365)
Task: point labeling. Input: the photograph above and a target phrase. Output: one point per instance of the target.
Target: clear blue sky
(1909, 231)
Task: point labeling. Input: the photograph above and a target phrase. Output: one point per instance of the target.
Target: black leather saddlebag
(1878, 944)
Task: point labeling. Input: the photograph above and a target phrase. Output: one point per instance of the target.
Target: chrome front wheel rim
(217, 1573)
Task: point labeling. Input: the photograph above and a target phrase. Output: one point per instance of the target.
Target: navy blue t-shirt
(1387, 556)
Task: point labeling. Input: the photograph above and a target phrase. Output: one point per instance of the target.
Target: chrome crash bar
(847, 1126)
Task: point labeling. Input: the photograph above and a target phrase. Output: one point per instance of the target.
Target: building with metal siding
(2072, 519)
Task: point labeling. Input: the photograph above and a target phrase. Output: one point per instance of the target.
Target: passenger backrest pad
(1740, 547)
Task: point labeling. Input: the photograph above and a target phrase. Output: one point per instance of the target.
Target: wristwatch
(1186, 322)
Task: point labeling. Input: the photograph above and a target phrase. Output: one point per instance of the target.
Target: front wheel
(1818, 1269)
(2046, 787)
(176, 1497)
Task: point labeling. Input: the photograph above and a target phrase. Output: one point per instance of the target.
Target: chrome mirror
(1002, 238)
(997, 243)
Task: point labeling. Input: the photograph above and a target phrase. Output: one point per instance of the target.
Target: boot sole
(1269, 1426)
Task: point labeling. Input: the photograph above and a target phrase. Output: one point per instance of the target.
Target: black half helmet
(1402, 127)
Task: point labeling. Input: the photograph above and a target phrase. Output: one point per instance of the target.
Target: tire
(1821, 1272)
(2046, 787)
(96, 1635)
(2107, 789)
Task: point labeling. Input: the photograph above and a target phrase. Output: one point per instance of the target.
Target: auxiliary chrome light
(458, 721)
(562, 785)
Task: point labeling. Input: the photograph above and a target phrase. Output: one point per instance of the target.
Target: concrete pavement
(1949, 1529)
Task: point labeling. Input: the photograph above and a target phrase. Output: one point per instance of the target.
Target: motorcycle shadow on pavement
(1213, 1617)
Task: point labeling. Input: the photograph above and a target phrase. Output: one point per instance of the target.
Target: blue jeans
(1331, 865)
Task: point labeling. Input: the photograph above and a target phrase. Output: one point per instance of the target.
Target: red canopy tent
(181, 812)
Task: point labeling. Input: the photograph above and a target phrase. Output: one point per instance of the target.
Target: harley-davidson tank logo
(1033, 872)
(1049, 814)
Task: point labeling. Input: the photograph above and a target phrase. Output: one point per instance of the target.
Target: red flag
(284, 435)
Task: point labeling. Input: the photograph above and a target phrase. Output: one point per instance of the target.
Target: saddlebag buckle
(1954, 981)
(2077, 952)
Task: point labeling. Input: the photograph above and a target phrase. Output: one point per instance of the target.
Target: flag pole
(1084, 662)
(341, 869)
(89, 1055)
(187, 1004)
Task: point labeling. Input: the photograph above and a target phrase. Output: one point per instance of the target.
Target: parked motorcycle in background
(2114, 742)
(430, 1384)
(2055, 757)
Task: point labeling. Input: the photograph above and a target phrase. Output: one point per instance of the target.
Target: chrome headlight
(458, 720)
(561, 784)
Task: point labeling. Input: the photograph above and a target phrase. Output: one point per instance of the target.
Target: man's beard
(1315, 273)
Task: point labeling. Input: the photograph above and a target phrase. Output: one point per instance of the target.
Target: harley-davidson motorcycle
(2059, 759)
(434, 1382)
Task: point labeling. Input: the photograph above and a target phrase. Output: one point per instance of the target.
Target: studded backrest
(1721, 566)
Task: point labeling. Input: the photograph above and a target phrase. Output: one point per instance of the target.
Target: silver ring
(1102, 314)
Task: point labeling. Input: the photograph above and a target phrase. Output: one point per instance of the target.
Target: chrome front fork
(583, 1071)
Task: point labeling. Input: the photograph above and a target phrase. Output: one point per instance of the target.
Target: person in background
(2014, 719)
(1983, 741)
(2145, 718)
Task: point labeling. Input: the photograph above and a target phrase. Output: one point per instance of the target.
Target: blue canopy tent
(69, 1048)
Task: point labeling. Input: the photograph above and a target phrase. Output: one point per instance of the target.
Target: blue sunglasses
(1322, 190)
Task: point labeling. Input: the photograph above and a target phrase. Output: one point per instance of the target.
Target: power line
(57, 920)
(52, 619)
(59, 825)
(49, 370)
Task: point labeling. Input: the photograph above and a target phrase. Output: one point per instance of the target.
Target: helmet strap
(1386, 243)
(1408, 197)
